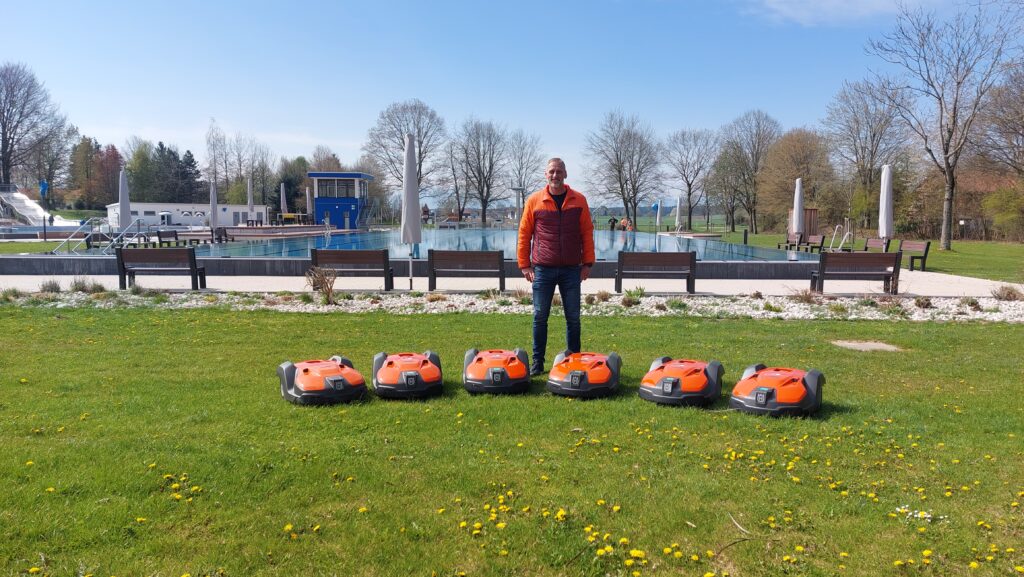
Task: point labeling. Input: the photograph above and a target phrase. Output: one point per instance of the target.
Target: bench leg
(432, 282)
(618, 282)
(501, 283)
(131, 279)
(886, 285)
(389, 281)
(690, 282)
(122, 282)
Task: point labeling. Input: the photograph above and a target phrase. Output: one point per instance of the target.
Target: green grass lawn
(155, 442)
(27, 247)
(80, 214)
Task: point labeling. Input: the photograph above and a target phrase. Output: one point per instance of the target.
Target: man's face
(556, 174)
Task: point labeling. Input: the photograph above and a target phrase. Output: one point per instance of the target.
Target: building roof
(361, 175)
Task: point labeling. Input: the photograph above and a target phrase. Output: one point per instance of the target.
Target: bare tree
(453, 178)
(749, 137)
(864, 131)
(239, 152)
(216, 151)
(324, 159)
(525, 161)
(386, 140)
(625, 156)
(484, 146)
(52, 157)
(947, 70)
(725, 183)
(1002, 122)
(26, 117)
(689, 155)
(264, 178)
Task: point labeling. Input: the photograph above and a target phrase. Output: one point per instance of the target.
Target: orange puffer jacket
(552, 237)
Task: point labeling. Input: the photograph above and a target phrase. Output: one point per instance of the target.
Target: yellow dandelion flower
(844, 554)
(140, 520)
(175, 486)
(600, 502)
(798, 549)
(709, 574)
(926, 553)
(29, 463)
(667, 550)
(287, 528)
(34, 570)
(678, 554)
(637, 554)
(363, 509)
(624, 541)
(974, 565)
(601, 552)
(503, 553)
(176, 496)
(628, 562)
(478, 525)
(500, 525)
(560, 515)
(696, 557)
(616, 509)
(316, 528)
(440, 510)
(1019, 569)
(50, 489)
(709, 553)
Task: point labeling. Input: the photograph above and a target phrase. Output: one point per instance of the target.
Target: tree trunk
(689, 218)
(945, 237)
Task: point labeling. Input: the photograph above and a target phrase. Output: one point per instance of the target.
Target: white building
(189, 214)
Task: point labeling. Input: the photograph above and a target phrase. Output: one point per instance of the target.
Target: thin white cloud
(828, 12)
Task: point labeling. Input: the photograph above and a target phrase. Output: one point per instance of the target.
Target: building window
(149, 213)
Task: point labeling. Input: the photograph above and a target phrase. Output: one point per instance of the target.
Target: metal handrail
(89, 224)
(126, 236)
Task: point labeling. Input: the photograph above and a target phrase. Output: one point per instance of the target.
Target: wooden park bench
(792, 242)
(858, 266)
(681, 265)
(465, 263)
(881, 244)
(220, 234)
(814, 243)
(170, 238)
(356, 263)
(916, 245)
(161, 261)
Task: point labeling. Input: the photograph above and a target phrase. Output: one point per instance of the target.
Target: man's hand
(528, 273)
(585, 273)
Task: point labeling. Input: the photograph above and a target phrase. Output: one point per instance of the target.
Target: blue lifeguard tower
(339, 198)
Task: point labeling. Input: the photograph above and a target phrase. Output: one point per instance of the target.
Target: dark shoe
(536, 371)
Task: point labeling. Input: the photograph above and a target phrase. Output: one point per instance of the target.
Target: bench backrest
(167, 234)
(916, 245)
(816, 239)
(861, 260)
(794, 238)
(879, 243)
(322, 257)
(466, 259)
(633, 261)
(181, 257)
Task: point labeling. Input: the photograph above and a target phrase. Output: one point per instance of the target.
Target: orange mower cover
(496, 371)
(321, 382)
(407, 375)
(682, 382)
(585, 375)
(778, 391)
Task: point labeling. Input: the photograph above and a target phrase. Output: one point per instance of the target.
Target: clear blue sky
(299, 74)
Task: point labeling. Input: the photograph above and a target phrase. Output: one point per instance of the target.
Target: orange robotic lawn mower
(778, 391)
(321, 382)
(585, 375)
(682, 382)
(407, 375)
(496, 371)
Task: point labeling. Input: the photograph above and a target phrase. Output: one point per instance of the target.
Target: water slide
(29, 210)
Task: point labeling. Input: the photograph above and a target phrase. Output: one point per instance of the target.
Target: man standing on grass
(556, 248)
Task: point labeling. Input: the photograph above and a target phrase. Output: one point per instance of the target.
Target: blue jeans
(545, 279)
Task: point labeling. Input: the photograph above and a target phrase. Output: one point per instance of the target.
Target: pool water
(607, 245)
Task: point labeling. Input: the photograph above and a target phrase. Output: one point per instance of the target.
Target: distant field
(79, 214)
(27, 247)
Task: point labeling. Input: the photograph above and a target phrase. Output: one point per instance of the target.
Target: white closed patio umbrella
(657, 216)
(886, 230)
(213, 209)
(679, 211)
(309, 203)
(284, 202)
(797, 226)
(124, 206)
(248, 198)
(411, 232)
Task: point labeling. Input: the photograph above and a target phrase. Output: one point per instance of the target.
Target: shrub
(772, 308)
(556, 300)
(1007, 293)
(971, 303)
(160, 298)
(923, 303)
(136, 290)
(638, 293)
(50, 286)
(9, 294)
(321, 280)
(893, 308)
(629, 301)
(504, 302)
(590, 299)
(838, 309)
(603, 296)
(306, 298)
(436, 297)
(866, 302)
(756, 295)
(489, 294)
(345, 297)
(677, 304)
(661, 307)
(806, 296)
(79, 284)
(416, 294)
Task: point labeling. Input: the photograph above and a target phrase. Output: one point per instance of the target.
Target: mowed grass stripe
(107, 393)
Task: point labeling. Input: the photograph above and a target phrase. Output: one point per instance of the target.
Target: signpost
(43, 187)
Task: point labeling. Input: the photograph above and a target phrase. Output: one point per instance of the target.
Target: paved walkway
(912, 284)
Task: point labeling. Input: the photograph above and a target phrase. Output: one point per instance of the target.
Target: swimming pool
(607, 245)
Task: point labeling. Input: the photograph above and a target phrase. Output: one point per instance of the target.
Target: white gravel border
(800, 307)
